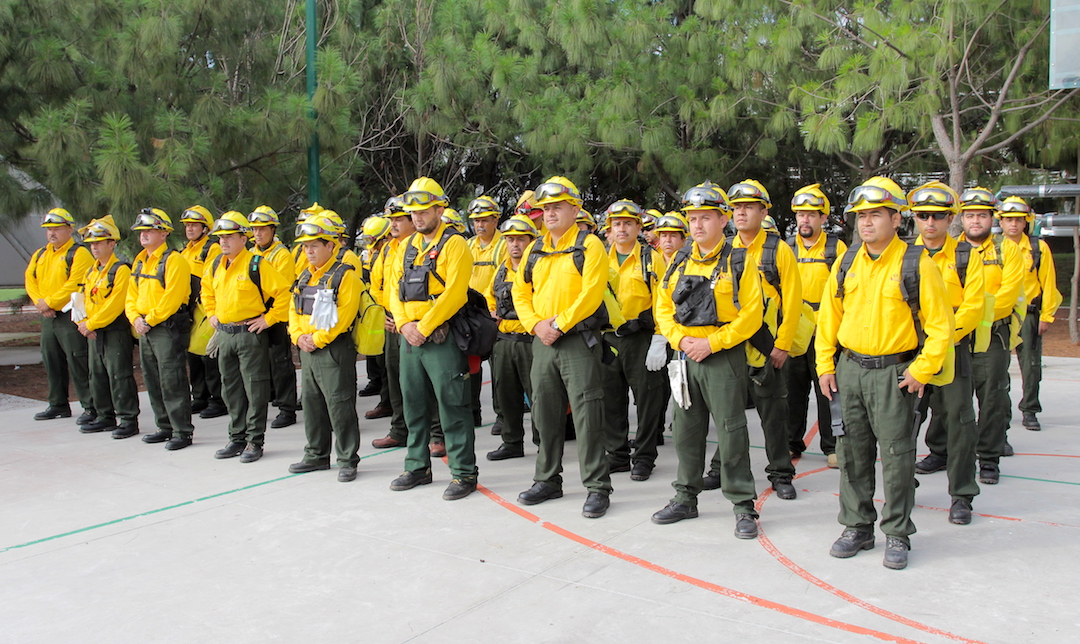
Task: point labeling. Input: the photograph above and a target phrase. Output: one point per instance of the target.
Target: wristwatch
(555, 325)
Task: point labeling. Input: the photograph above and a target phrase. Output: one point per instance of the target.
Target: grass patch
(11, 293)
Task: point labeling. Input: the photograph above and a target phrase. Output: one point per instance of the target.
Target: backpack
(600, 318)
(910, 279)
(831, 242)
(183, 315)
(69, 257)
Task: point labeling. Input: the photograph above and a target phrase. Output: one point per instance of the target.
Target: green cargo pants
(64, 354)
(877, 413)
(627, 373)
(244, 361)
(954, 417)
(438, 372)
(328, 391)
(1029, 355)
(163, 356)
(569, 372)
(511, 364)
(399, 431)
(717, 388)
(112, 378)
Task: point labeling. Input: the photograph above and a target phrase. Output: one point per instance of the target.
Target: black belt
(233, 329)
(879, 362)
(515, 337)
(813, 305)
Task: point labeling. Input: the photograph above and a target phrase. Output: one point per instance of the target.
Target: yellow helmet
(334, 221)
(394, 207)
(375, 228)
(483, 206)
(316, 226)
(672, 222)
(519, 225)
(197, 215)
(706, 196)
(978, 198)
(1014, 207)
(264, 216)
(231, 222)
(811, 197)
(57, 217)
(624, 208)
(934, 196)
(423, 194)
(749, 191)
(877, 192)
(585, 217)
(152, 219)
(100, 230)
(556, 189)
(453, 219)
(768, 224)
(525, 205)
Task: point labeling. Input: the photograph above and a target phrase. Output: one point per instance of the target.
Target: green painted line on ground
(171, 507)
(1029, 478)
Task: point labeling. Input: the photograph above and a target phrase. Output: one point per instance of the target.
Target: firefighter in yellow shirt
(157, 307)
(432, 273)
(53, 274)
(782, 288)
(299, 258)
(641, 354)
(199, 251)
(708, 305)
(934, 205)
(374, 236)
(327, 351)
(108, 333)
(244, 296)
(489, 251)
(1041, 296)
(264, 224)
(559, 297)
(871, 351)
(815, 254)
(671, 232)
(511, 357)
(1003, 275)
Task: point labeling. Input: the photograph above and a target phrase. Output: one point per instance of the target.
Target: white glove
(77, 306)
(680, 389)
(324, 311)
(656, 358)
(212, 346)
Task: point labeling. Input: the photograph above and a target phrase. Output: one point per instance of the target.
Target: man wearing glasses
(559, 296)
(871, 351)
(934, 206)
(815, 254)
(264, 223)
(432, 278)
(53, 274)
(244, 296)
(157, 306)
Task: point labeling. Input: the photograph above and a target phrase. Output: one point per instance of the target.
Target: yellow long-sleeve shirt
(380, 273)
(506, 326)
(486, 259)
(147, 297)
(739, 322)
(280, 258)
(1043, 283)
(635, 296)
(48, 278)
(231, 295)
(873, 319)
(348, 303)
(193, 253)
(453, 264)
(967, 299)
(558, 289)
(813, 269)
(1003, 276)
(105, 303)
(790, 302)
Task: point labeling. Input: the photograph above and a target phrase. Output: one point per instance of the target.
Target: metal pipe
(1041, 191)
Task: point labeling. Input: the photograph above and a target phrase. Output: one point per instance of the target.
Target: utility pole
(312, 81)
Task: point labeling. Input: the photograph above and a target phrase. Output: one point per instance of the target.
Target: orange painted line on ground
(694, 581)
(1054, 455)
(848, 597)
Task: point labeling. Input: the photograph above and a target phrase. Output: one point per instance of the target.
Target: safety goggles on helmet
(422, 198)
(936, 215)
(671, 223)
(514, 226)
(701, 197)
(808, 199)
(746, 191)
(1014, 207)
(311, 229)
(193, 217)
(258, 217)
(147, 218)
(977, 199)
(932, 197)
(482, 207)
(876, 196)
(55, 219)
(553, 191)
(624, 208)
(97, 231)
(228, 226)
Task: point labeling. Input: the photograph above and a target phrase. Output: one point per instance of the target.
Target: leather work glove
(656, 358)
